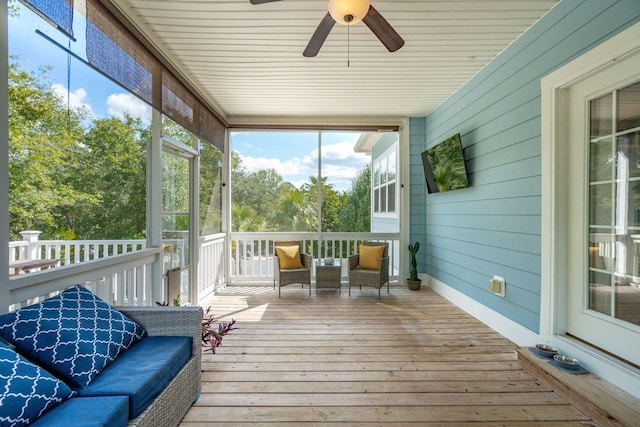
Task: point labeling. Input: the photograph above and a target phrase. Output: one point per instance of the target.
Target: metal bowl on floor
(546, 350)
(566, 361)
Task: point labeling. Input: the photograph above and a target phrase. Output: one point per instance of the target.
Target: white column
(4, 160)
(32, 236)
(154, 205)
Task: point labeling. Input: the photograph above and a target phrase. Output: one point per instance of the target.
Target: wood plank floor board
(211, 376)
(382, 414)
(388, 386)
(368, 398)
(372, 357)
(410, 359)
(554, 423)
(382, 351)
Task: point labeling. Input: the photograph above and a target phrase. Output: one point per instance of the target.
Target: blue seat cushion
(26, 390)
(74, 335)
(142, 372)
(107, 411)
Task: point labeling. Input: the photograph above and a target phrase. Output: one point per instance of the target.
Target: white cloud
(75, 98)
(340, 165)
(120, 103)
(340, 172)
(340, 154)
(290, 167)
(342, 151)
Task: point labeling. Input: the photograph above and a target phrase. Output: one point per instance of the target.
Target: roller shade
(58, 13)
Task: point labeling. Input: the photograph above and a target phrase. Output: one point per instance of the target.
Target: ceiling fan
(349, 12)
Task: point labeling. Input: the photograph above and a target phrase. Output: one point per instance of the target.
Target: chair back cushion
(289, 257)
(370, 256)
(75, 335)
(26, 390)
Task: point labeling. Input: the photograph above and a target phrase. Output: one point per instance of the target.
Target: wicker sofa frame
(172, 404)
(293, 275)
(375, 278)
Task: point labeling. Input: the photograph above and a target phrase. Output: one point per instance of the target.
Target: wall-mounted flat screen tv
(444, 167)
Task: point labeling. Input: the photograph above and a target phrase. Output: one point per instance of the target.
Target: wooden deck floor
(411, 359)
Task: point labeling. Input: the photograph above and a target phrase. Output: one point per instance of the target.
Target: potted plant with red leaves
(212, 335)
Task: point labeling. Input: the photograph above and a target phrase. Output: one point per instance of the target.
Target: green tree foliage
(356, 214)
(69, 176)
(112, 167)
(210, 189)
(44, 139)
(295, 212)
(263, 201)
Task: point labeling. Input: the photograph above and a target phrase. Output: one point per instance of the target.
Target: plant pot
(414, 285)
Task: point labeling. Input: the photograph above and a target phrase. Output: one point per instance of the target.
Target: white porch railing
(69, 252)
(252, 253)
(119, 280)
(211, 262)
(119, 271)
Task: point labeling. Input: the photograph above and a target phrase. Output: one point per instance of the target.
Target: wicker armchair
(292, 275)
(363, 277)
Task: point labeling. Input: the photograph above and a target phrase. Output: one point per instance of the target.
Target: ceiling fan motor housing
(348, 12)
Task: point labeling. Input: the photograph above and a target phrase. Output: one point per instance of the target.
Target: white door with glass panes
(178, 237)
(603, 250)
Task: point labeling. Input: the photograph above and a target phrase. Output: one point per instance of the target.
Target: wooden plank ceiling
(247, 60)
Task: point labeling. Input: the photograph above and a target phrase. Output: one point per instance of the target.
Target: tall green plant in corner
(413, 282)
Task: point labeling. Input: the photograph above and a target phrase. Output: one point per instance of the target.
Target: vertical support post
(226, 209)
(194, 224)
(4, 160)
(154, 205)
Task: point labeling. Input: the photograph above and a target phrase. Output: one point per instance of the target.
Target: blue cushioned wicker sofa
(75, 360)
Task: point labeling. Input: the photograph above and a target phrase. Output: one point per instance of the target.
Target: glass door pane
(614, 205)
(176, 223)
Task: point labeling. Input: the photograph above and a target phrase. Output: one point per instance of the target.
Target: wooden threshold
(410, 359)
(605, 403)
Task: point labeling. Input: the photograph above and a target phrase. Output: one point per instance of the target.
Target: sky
(293, 154)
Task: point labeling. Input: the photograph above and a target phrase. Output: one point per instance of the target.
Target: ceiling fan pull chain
(348, 46)
(69, 85)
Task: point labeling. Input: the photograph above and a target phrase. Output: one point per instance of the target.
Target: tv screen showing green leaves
(444, 167)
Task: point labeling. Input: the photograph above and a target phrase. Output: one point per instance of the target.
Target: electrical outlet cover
(497, 285)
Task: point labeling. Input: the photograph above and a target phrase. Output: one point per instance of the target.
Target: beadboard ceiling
(247, 60)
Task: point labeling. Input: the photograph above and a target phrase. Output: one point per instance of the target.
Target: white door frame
(554, 194)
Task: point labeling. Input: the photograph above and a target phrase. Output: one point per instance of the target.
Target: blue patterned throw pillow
(75, 335)
(26, 390)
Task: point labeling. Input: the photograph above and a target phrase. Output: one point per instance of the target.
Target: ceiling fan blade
(383, 30)
(261, 1)
(319, 36)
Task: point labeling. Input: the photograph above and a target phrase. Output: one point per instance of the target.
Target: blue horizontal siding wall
(493, 227)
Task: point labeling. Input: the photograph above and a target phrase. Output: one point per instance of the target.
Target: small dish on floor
(567, 362)
(546, 350)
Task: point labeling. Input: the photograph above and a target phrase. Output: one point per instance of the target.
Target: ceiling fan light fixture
(348, 12)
